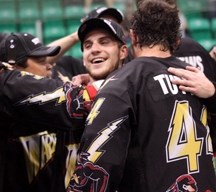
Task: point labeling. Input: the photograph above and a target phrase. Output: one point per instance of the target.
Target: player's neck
(152, 52)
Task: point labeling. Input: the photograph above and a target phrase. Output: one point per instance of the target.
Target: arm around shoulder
(210, 102)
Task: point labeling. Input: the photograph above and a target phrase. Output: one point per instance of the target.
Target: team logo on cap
(35, 40)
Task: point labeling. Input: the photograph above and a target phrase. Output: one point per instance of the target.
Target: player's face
(102, 53)
(39, 66)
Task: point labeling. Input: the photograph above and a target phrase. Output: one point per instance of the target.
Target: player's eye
(87, 45)
(105, 41)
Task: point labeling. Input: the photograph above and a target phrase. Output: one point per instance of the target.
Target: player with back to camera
(193, 80)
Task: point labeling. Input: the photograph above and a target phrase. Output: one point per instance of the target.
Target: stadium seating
(73, 12)
(28, 10)
(53, 30)
(8, 27)
(76, 51)
(72, 25)
(62, 17)
(51, 10)
(192, 5)
(199, 28)
(120, 6)
(207, 43)
(213, 27)
(192, 8)
(8, 12)
(29, 27)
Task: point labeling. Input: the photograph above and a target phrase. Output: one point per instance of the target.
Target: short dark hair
(156, 22)
(171, 2)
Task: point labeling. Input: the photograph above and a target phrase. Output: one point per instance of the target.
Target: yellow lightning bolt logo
(95, 111)
(44, 97)
(105, 135)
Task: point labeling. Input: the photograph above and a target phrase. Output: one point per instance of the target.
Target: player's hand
(81, 79)
(79, 100)
(194, 81)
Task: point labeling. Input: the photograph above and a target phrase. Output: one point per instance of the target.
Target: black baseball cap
(102, 11)
(17, 46)
(98, 23)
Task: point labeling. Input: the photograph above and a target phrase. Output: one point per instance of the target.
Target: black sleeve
(37, 103)
(211, 102)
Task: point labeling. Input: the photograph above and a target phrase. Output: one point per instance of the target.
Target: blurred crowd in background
(53, 19)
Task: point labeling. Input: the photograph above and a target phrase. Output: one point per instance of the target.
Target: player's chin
(99, 75)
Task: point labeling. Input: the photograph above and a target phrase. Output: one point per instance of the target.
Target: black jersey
(32, 112)
(67, 67)
(144, 134)
(193, 53)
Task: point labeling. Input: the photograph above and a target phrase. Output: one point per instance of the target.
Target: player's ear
(178, 42)
(123, 52)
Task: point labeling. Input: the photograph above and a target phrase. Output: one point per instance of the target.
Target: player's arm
(194, 81)
(65, 43)
(41, 99)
